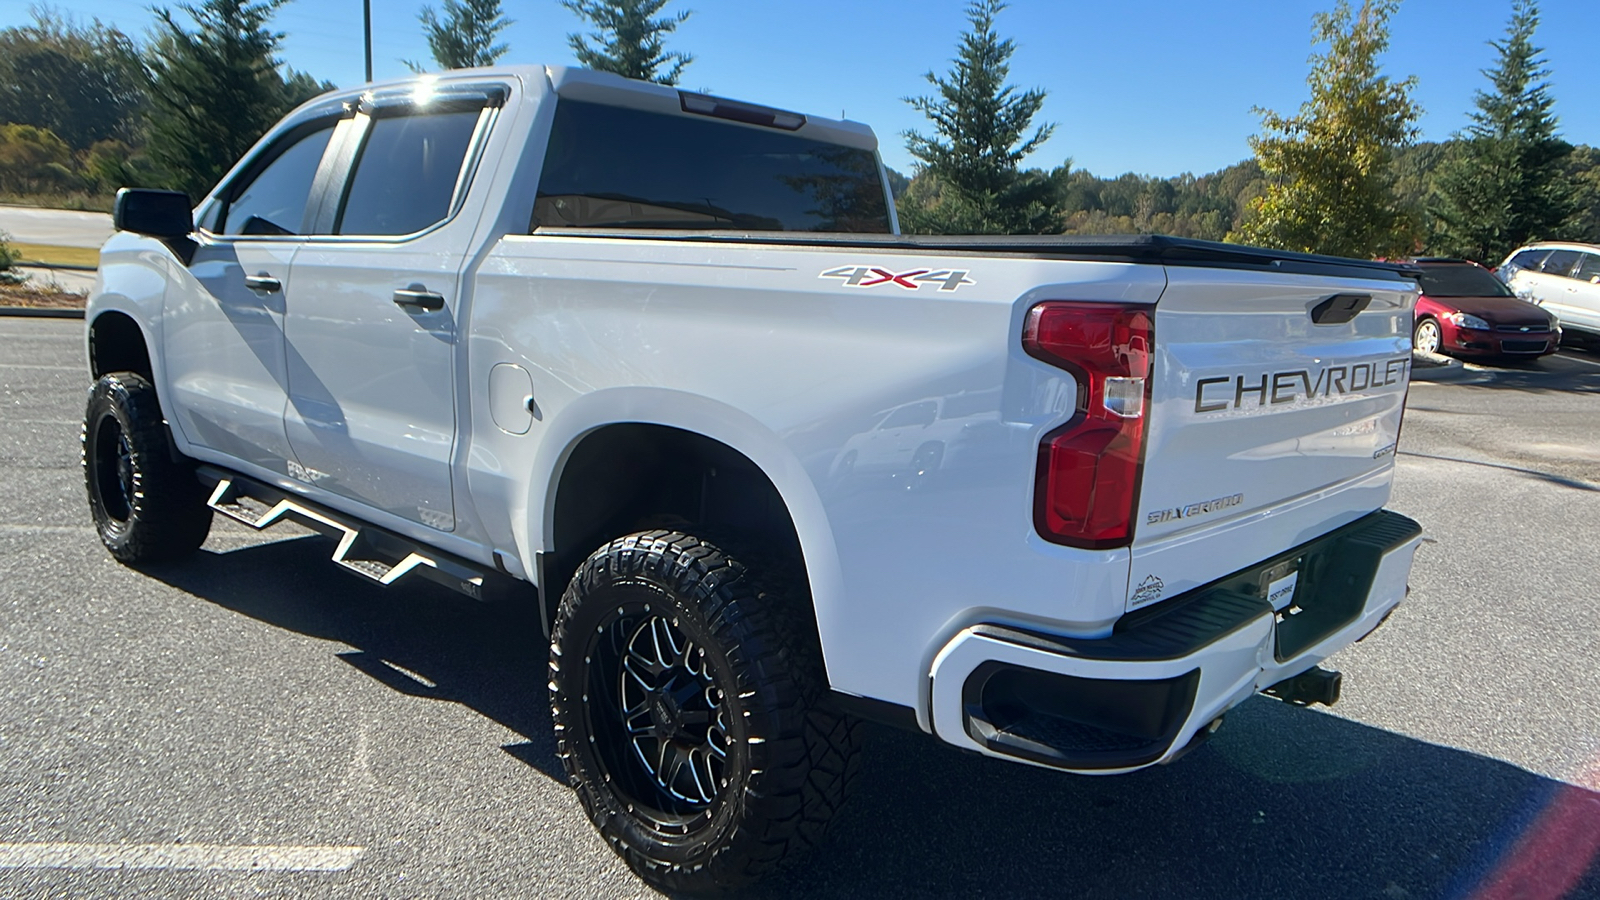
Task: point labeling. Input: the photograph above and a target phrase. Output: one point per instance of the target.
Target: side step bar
(373, 553)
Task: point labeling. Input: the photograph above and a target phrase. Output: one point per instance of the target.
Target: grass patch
(54, 255)
(75, 200)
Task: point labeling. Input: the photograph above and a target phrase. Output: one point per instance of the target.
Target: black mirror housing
(156, 213)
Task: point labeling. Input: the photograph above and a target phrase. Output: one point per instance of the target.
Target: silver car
(1562, 277)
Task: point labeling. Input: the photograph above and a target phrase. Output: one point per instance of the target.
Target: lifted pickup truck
(772, 466)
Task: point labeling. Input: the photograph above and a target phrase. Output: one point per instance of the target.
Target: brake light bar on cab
(1087, 487)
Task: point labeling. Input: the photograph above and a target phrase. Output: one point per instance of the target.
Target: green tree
(215, 90)
(33, 160)
(1505, 184)
(111, 164)
(80, 82)
(1331, 185)
(627, 40)
(1583, 167)
(969, 165)
(465, 38)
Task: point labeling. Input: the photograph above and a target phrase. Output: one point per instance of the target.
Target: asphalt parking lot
(253, 722)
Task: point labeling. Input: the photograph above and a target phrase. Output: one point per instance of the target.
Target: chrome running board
(373, 553)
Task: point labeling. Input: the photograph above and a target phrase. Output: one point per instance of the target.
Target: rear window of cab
(613, 167)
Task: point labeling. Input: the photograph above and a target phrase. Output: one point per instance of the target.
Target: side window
(406, 176)
(1529, 259)
(273, 200)
(1560, 262)
(1589, 268)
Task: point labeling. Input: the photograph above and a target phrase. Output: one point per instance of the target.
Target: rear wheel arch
(625, 476)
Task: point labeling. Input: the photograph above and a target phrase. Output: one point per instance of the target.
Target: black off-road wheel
(147, 504)
(690, 713)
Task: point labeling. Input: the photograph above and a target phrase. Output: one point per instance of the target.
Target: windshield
(1461, 281)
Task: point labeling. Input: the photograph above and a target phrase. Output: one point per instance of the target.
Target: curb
(65, 267)
(31, 312)
(1420, 360)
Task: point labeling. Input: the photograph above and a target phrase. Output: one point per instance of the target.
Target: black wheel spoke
(705, 784)
(637, 660)
(677, 759)
(631, 664)
(669, 708)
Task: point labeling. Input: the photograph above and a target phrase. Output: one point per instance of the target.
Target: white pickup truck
(771, 466)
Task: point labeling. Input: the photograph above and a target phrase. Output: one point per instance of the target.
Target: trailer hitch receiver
(1315, 685)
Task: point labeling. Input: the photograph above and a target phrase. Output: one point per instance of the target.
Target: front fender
(132, 280)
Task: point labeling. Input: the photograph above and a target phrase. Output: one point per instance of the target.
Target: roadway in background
(61, 227)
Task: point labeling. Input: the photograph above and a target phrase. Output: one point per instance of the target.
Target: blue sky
(1157, 87)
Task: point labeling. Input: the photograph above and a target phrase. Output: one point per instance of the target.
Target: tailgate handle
(1340, 308)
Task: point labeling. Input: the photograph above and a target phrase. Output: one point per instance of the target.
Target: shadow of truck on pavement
(1284, 802)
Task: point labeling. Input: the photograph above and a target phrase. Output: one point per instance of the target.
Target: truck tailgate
(1276, 402)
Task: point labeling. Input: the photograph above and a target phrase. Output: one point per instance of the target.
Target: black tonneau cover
(1135, 248)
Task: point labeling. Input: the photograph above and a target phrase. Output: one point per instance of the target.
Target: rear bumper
(1157, 684)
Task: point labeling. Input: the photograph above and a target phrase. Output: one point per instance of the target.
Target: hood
(1498, 310)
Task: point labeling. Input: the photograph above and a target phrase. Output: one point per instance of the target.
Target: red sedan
(1466, 311)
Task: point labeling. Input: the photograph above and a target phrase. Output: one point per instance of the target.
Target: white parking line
(6, 528)
(46, 368)
(1577, 359)
(202, 857)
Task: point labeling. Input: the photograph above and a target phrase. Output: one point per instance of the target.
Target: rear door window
(1560, 262)
(272, 200)
(407, 174)
(610, 167)
(1589, 268)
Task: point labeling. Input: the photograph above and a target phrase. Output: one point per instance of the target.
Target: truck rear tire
(147, 504)
(690, 715)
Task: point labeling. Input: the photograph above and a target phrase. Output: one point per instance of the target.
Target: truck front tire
(146, 502)
(690, 715)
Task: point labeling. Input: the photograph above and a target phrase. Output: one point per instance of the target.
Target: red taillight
(1088, 482)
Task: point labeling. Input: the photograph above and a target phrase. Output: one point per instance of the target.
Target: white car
(1562, 277)
(602, 347)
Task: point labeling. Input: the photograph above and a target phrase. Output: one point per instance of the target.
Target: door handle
(417, 297)
(264, 283)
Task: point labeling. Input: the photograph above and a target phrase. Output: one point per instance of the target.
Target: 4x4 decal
(872, 276)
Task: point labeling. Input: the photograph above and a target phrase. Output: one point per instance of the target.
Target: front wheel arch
(118, 344)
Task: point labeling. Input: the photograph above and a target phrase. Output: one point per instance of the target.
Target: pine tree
(968, 169)
(465, 38)
(1505, 185)
(215, 90)
(627, 40)
(1330, 183)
